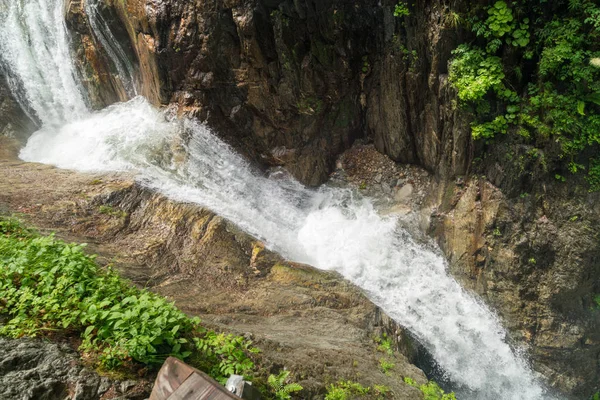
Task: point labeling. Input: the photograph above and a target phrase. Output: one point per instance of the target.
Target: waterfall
(332, 229)
(36, 59)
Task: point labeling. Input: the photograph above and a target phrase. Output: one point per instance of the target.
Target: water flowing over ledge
(332, 229)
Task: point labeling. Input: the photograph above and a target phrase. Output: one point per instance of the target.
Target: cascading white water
(36, 57)
(332, 229)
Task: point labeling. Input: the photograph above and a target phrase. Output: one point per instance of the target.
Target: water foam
(333, 229)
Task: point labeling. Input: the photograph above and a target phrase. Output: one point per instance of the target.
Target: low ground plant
(49, 286)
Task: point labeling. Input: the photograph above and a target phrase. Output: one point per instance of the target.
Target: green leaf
(581, 107)
(88, 330)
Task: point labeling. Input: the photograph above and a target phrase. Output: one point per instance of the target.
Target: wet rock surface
(97, 72)
(311, 322)
(33, 369)
(533, 257)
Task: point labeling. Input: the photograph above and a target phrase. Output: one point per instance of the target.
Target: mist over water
(332, 229)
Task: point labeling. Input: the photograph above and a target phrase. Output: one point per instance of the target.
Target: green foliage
(431, 390)
(501, 24)
(384, 344)
(345, 390)
(487, 130)
(222, 355)
(386, 366)
(597, 300)
(12, 226)
(500, 20)
(452, 19)
(401, 10)
(282, 390)
(381, 391)
(48, 285)
(534, 69)
(111, 211)
(474, 73)
(366, 65)
(593, 176)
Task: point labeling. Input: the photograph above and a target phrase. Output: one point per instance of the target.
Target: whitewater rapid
(332, 229)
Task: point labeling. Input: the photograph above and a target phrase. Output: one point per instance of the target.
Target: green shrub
(384, 344)
(223, 354)
(535, 68)
(401, 10)
(12, 226)
(344, 390)
(431, 390)
(593, 177)
(474, 73)
(282, 390)
(386, 366)
(48, 285)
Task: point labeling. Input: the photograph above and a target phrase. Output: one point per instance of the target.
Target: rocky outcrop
(294, 83)
(314, 323)
(536, 259)
(14, 122)
(411, 111)
(40, 370)
(97, 72)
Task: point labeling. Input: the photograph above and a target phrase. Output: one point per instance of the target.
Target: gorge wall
(295, 82)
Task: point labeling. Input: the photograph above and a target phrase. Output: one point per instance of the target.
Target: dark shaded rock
(309, 76)
(97, 72)
(37, 370)
(14, 122)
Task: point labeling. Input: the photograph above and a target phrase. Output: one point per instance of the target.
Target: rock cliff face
(36, 369)
(295, 82)
(97, 71)
(535, 257)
